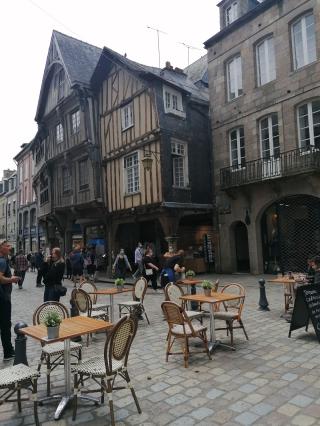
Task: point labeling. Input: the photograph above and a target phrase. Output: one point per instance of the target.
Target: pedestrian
(53, 271)
(121, 264)
(150, 268)
(69, 267)
(6, 280)
(39, 265)
(138, 260)
(77, 263)
(33, 262)
(21, 266)
(91, 262)
(172, 266)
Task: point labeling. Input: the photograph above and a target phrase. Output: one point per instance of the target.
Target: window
(309, 125)
(44, 190)
(9, 209)
(83, 174)
(266, 67)
(234, 78)
(231, 13)
(269, 137)
(131, 167)
(59, 83)
(39, 151)
(75, 122)
(303, 41)
(173, 102)
(127, 116)
(21, 173)
(179, 164)
(59, 133)
(237, 149)
(14, 208)
(66, 179)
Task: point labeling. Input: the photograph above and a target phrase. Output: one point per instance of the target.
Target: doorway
(241, 247)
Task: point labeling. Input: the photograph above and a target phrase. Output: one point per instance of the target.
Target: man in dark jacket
(53, 271)
(39, 265)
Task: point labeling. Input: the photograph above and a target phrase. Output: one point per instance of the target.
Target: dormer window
(173, 102)
(231, 13)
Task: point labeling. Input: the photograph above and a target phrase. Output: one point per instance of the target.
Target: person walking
(53, 271)
(150, 268)
(138, 260)
(21, 266)
(77, 263)
(69, 267)
(6, 281)
(39, 265)
(33, 262)
(121, 264)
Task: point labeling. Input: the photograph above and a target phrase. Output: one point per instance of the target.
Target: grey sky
(25, 33)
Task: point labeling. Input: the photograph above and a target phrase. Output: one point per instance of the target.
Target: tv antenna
(158, 39)
(189, 47)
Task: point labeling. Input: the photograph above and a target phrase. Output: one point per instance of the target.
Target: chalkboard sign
(306, 306)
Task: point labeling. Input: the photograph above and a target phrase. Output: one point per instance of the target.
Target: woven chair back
(119, 341)
(41, 312)
(89, 288)
(173, 292)
(216, 286)
(83, 302)
(234, 288)
(173, 313)
(140, 288)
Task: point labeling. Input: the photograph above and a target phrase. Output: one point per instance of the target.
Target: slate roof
(179, 80)
(198, 70)
(80, 58)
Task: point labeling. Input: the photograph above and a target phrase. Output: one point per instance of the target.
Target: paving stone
(303, 420)
(262, 409)
(301, 401)
(288, 410)
(202, 413)
(240, 406)
(247, 418)
(214, 393)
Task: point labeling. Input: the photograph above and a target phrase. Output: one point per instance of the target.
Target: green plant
(190, 273)
(119, 281)
(206, 285)
(52, 319)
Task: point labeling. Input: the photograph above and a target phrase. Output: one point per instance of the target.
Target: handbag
(149, 271)
(60, 290)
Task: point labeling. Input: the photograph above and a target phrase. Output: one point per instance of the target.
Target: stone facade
(245, 200)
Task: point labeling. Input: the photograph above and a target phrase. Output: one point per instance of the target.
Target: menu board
(306, 307)
(208, 249)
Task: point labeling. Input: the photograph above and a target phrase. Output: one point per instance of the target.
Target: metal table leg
(214, 343)
(111, 308)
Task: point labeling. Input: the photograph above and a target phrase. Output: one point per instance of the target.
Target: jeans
(22, 275)
(139, 271)
(50, 295)
(5, 326)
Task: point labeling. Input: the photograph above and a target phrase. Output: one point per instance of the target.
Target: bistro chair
(104, 370)
(173, 293)
(181, 328)
(13, 380)
(52, 353)
(232, 310)
(289, 296)
(135, 306)
(90, 288)
(83, 304)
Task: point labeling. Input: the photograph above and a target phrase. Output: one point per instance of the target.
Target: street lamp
(147, 160)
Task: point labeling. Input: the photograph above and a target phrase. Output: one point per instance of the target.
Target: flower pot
(207, 291)
(119, 287)
(53, 332)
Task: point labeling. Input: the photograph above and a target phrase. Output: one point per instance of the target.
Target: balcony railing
(288, 163)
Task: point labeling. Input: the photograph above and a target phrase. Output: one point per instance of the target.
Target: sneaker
(9, 357)
(20, 287)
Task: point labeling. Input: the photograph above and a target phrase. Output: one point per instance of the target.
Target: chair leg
(186, 353)
(244, 330)
(35, 401)
(110, 398)
(48, 375)
(127, 377)
(230, 326)
(145, 314)
(75, 396)
(168, 346)
(19, 397)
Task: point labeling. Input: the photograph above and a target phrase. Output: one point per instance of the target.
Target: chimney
(168, 66)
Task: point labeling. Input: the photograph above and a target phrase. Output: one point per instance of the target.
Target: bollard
(263, 302)
(20, 346)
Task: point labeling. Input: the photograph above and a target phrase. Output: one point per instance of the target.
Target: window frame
(302, 19)
(172, 101)
(66, 188)
(267, 61)
(176, 155)
(238, 139)
(311, 125)
(135, 167)
(127, 118)
(230, 18)
(75, 123)
(239, 90)
(83, 177)
(59, 133)
(271, 137)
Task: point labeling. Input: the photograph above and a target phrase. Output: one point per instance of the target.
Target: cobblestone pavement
(268, 380)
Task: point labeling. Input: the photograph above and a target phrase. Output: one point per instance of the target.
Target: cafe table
(213, 299)
(111, 292)
(69, 328)
(289, 286)
(189, 283)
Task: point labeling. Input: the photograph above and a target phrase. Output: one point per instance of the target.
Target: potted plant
(190, 274)
(119, 283)
(52, 321)
(207, 287)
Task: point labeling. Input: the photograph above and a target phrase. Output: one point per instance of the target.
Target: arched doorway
(290, 230)
(241, 247)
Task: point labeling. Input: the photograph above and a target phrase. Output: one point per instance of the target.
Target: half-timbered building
(154, 132)
(65, 150)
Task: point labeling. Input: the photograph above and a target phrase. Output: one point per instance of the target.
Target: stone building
(28, 237)
(11, 201)
(264, 80)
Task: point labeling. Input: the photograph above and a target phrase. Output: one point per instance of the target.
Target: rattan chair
(232, 310)
(180, 327)
(135, 306)
(90, 288)
(13, 380)
(173, 293)
(52, 353)
(83, 303)
(104, 370)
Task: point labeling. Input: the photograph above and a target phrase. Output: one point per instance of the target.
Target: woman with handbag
(53, 271)
(150, 268)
